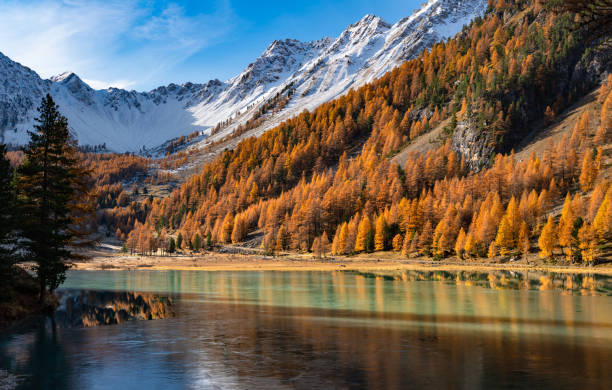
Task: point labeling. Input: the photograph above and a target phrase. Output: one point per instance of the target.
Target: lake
(305, 330)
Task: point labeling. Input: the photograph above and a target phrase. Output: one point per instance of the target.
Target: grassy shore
(212, 261)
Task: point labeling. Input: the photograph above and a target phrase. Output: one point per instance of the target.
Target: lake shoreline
(212, 261)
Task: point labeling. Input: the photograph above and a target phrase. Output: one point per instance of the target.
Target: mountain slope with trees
(325, 181)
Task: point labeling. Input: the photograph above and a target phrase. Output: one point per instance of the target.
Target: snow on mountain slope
(363, 52)
(315, 72)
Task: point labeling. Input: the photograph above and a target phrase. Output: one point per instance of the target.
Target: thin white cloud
(126, 41)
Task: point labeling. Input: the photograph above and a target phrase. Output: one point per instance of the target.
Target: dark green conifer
(8, 226)
(56, 204)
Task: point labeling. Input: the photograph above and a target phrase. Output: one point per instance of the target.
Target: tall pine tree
(56, 205)
(8, 227)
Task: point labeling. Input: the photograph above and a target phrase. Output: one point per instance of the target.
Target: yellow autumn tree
(325, 246)
(226, 228)
(587, 243)
(504, 240)
(397, 242)
(588, 173)
(282, 239)
(492, 252)
(441, 243)
(316, 247)
(524, 241)
(566, 224)
(460, 244)
(425, 238)
(339, 243)
(379, 236)
(602, 223)
(363, 242)
(406, 244)
(548, 239)
(239, 230)
(508, 231)
(470, 245)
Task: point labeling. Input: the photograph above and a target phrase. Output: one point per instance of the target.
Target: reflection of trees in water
(81, 308)
(37, 352)
(302, 346)
(583, 284)
(377, 330)
(341, 329)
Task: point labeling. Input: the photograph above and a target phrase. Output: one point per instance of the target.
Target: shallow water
(332, 330)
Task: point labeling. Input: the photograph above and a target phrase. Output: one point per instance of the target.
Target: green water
(332, 330)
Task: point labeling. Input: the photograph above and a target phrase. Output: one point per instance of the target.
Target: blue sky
(143, 44)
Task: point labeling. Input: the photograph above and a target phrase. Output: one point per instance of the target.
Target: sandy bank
(238, 262)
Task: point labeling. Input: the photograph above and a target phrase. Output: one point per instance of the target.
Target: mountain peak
(63, 77)
(373, 21)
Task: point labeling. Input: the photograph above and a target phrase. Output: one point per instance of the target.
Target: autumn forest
(343, 179)
(356, 176)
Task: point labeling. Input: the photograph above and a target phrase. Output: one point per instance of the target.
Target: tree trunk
(43, 291)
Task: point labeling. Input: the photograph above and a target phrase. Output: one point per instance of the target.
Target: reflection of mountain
(80, 308)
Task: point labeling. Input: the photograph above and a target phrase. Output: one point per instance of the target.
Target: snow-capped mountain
(314, 72)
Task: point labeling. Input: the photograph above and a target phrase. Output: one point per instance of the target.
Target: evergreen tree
(573, 251)
(8, 225)
(171, 245)
(57, 205)
(209, 241)
(179, 241)
(196, 243)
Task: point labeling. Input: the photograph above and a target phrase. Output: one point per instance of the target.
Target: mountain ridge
(316, 71)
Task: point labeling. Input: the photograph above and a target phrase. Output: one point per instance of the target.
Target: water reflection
(583, 284)
(332, 330)
(85, 308)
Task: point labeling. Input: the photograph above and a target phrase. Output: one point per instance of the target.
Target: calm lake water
(331, 330)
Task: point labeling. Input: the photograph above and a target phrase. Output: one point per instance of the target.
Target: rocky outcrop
(81, 308)
(475, 145)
